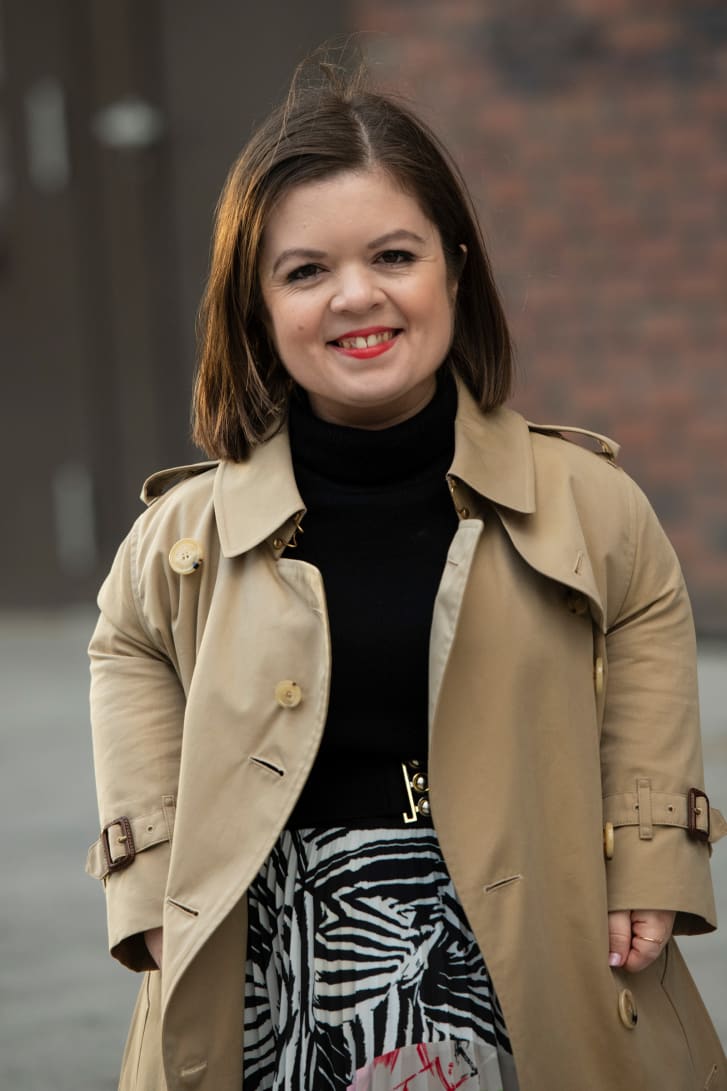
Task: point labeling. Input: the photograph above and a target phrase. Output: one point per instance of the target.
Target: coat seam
(135, 582)
(147, 990)
(634, 551)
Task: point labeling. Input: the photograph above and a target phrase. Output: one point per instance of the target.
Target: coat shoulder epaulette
(607, 447)
(164, 480)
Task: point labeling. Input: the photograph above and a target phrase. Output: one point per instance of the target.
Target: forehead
(351, 203)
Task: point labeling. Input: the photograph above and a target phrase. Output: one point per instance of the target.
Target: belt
(363, 792)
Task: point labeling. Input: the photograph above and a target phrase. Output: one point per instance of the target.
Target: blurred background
(593, 135)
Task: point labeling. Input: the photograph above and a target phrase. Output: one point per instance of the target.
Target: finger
(651, 932)
(653, 924)
(643, 952)
(619, 937)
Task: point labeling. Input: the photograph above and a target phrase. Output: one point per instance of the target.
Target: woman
(394, 703)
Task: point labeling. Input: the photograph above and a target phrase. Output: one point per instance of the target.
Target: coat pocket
(705, 1049)
(141, 1065)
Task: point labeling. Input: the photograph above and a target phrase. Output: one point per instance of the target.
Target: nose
(356, 291)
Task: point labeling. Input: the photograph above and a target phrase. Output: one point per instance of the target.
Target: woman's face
(359, 301)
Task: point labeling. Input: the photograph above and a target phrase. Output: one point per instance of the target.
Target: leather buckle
(120, 862)
(694, 812)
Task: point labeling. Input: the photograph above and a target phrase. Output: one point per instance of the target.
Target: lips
(365, 343)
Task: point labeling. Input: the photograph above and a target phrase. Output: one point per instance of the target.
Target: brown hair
(333, 125)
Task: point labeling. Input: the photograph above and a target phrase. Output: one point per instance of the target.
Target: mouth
(366, 343)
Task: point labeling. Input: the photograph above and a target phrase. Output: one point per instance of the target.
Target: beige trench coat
(562, 702)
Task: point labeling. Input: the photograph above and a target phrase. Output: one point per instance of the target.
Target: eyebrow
(317, 255)
(308, 255)
(392, 236)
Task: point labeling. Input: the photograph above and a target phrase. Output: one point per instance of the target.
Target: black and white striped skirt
(363, 973)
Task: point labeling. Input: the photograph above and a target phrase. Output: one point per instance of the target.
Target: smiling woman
(375, 162)
(394, 704)
(358, 321)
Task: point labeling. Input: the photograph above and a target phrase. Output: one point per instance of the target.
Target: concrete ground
(64, 1004)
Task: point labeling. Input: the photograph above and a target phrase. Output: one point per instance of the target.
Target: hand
(153, 940)
(638, 937)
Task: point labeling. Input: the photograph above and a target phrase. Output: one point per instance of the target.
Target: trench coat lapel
(494, 457)
(256, 497)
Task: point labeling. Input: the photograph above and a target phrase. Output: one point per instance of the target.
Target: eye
(303, 272)
(395, 257)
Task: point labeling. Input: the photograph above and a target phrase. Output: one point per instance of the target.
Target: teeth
(365, 342)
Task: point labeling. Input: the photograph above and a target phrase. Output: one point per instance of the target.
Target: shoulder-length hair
(241, 388)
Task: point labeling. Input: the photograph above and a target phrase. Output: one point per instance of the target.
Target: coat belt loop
(646, 826)
(169, 810)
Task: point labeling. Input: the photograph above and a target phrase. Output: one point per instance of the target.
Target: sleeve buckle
(698, 818)
(125, 837)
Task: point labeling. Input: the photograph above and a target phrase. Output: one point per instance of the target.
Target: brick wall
(594, 139)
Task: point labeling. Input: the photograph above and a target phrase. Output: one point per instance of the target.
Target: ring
(650, 939)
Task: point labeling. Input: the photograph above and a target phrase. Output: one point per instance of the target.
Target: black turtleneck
(378, 524)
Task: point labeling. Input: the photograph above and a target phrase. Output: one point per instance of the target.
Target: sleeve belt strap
(122, 838)
(646, 809)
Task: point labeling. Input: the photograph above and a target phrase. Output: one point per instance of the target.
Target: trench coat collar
(255, 498)
(493, 454)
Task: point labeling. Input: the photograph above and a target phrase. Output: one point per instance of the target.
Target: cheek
(293, 321)
(434, 300)
(440, 312)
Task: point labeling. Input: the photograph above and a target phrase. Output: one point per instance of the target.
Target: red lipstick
(344, 343)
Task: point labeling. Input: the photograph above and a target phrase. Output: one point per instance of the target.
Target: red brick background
(593, 134)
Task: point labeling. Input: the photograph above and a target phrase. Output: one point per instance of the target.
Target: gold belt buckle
(415, 781)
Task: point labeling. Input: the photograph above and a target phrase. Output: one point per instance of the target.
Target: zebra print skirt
(362, 971)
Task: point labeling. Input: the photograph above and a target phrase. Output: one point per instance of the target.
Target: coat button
(185, 556)
(608, 840)
(598, 676)
(627, 1009)
(288, 694)
(576, 602)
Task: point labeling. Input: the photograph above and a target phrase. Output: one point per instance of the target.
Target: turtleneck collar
(364, 456)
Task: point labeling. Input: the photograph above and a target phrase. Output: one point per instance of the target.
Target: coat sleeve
(651, 754)
(137, 710)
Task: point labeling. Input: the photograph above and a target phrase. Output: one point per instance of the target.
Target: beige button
(288, 694)
(627, 1009)
(185, 556)
(608, 841)
(577, 603)
(598, 676)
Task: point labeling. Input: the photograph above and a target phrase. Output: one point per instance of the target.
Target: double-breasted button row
(185, 556)
(288, 694)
